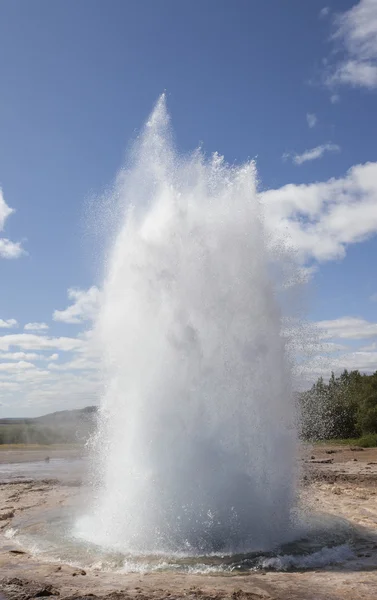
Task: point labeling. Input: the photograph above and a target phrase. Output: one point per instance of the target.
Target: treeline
(345, 407)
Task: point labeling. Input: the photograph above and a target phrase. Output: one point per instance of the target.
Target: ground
(346, 487)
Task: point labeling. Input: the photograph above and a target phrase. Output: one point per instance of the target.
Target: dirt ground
(20, 453)
(339, 481)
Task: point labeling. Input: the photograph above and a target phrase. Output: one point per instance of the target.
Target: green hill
(65, 426)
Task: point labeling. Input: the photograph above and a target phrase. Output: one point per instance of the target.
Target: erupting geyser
(195, 451)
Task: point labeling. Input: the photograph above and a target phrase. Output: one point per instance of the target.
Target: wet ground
(38, 499)
(64, 469)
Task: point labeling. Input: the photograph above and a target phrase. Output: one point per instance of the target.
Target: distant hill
(64, 426)
(68, 416)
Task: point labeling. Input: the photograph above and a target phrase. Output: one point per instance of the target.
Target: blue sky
(293, 84)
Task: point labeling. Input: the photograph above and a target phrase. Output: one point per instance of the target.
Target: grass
(31, 447)
(40, 434)
(365, 441)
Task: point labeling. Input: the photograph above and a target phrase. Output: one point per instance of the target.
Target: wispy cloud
(320, 220)
(352, 328)
(16, 366)
(324, 12)
(355, 36)
(8, 323)
(355, 73)
(5, 211)
(312, 154)
(36, 327)
(83, 308)
(369, 347)
(30, 341)
(34, 380)
(330, 356)
(311, 119)
(30, 356)
(8, 249)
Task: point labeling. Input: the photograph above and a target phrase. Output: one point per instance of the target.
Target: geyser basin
(321, 541)
(195, 451)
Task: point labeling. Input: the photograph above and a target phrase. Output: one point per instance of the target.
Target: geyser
(195, 451)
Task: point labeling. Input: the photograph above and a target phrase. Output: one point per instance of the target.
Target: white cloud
(355, 73)
(334, 98)
(351, 328)
(83, 308)
(327, 356)
(8, 249)
(321, 366)
(319, 220)
(81, 363)
(8, 323)
(366, 362)
(373, 297)
(312, 154)
(40, 391)
(29, 341)
(311, 119)
(324, 12)
(30, 356)
(369, 348)
(33, 383)
(36, 327)
(20, 356)
(16, 366)
(8, 385)
(5, 211)
(356, 35)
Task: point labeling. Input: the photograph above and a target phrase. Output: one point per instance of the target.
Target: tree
(344, 407)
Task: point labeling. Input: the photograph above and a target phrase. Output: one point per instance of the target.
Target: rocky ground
(338, 481)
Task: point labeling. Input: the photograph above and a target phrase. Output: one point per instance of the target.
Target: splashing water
(195, 451)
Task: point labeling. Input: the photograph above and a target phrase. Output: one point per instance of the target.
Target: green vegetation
(344, 409)
(64, 427)
(366, 441)
(35, 434)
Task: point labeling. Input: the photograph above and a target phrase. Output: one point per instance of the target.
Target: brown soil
(20, 453)
(343, 487)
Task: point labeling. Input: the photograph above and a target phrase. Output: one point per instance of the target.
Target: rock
(356, 449)
(7, 514)
(21, 589)
(86, 597)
